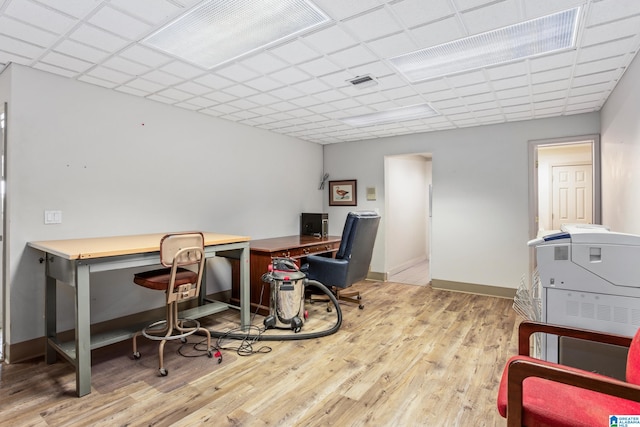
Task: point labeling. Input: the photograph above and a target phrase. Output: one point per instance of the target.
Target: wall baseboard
(471, 288)
(377, 276)
(31, 349)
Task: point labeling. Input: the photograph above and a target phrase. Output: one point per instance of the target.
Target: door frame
(533, 146)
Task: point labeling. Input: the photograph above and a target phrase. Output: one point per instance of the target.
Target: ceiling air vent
(362, 82)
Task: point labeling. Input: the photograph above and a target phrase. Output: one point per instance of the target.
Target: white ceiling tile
(595, 88)
(611, 31)
(549, 62)
(330, 95)
(393, 45)
(264, 63)
(600, 65)
(468, 78)
(399, 92)
(321, 108)
(441, 95)
(263, 99)
(510, 70)
(338, 79)
(240, 90)
(53, 69)
(110, 75)
(294, 52)
(286, 93)
(523, 100)
(518, 81)
(290, 75)
(21, 31)
(145, 85)
(376, 69)
(67, 62)
(597, 78)
(352, 57)
(40, 16)
(538, 8)
(126, 66)
(80, 51)
(220, 97)
(29, 50)
(96, 37)
(145, 56)
(202, 102)
(242, 104)
(77, 8)
(237, 73)
(375, 24)
(473, 89)
(96, 81)
(330, 39)
(305, 101)
(319, 67)
(187, 105)
(193, 88)
(153, 11)
(182, 69)
(550, 96)
(438, 32)
(550, 86)
(213, 81)
(342, 9)
(481, 98)
(418, 12)
(310, 87)
(605, 50)
(512, 93)
(611, 10)
(162, 78)
(263, 84)
(551, 75)
(6, 57)
(492, 16)
(119, 23)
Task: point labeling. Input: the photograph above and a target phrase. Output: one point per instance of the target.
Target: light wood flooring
(414, 356)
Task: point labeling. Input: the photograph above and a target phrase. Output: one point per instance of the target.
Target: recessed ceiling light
(412, 112)
(536, 37)
(219, 31)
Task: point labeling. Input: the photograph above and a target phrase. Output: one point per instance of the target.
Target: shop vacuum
(286, 309)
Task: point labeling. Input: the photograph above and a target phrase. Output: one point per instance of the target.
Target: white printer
(590, 278)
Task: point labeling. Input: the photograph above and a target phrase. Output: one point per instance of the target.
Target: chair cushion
(548, 403)
(159, 279)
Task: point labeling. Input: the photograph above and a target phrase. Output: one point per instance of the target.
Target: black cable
(292, 337)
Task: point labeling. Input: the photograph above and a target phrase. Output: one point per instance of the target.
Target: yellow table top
(97, 247)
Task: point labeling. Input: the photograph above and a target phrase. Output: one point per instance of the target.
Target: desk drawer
(311, 250)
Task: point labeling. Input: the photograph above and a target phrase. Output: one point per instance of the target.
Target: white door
(572, 195)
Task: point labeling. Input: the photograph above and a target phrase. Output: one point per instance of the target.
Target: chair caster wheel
(183, 340)
(163, 372)
(359, 297)
(209, 354)
(137, 355)
(361, 306)
(329, 310)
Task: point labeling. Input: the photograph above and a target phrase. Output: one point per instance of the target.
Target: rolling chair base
(342, 294)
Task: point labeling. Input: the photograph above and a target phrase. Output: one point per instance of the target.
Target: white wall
(620, 141)
(480, 193)
(117, 164)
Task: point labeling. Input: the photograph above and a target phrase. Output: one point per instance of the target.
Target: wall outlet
(53, 217)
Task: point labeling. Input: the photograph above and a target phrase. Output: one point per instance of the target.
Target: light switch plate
(53, 217)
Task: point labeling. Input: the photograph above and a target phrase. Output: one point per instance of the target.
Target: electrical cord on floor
(245, 348)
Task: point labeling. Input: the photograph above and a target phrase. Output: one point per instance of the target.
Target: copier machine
(589, 278)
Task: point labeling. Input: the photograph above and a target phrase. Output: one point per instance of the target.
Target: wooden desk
(72, 262)
(262, 251)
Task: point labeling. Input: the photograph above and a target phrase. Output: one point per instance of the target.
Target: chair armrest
(328, 271)
(527, 328)
(519, 369)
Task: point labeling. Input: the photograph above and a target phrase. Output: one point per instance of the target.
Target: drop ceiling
(300, 87)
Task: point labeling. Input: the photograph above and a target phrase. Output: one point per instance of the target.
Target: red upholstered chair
(534, 392)
(182, 255)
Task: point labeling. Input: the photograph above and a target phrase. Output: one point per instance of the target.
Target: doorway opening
(564, 184)
(408, 218)
(3, 240)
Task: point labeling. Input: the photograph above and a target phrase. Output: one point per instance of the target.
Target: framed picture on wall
(343, 193)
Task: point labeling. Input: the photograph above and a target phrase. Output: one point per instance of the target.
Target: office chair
(534, 392)
(352, 261)
(177, 251)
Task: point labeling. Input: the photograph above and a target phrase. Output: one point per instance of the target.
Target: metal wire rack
(528, 304)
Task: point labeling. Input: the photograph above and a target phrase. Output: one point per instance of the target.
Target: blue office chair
(352, 261)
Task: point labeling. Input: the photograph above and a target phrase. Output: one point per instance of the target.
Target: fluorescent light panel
(412, 112)
(536, 37)
(219, 31)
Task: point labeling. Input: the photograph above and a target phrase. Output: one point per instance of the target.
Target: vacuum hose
(297, 336)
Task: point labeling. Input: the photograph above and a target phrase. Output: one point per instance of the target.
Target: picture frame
(343, 193)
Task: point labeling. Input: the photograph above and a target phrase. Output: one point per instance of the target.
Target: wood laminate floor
(414, 356)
